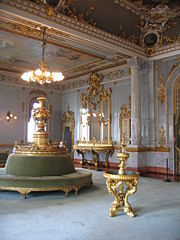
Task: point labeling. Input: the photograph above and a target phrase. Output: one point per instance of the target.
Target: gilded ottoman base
(25, 184)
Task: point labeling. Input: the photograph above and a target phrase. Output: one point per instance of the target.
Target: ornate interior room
(105, 78)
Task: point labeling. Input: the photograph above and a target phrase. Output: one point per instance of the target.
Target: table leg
(111, 186)
(131, 189)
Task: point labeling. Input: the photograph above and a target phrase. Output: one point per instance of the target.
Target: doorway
(176, 96)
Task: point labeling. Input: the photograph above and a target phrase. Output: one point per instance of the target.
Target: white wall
(12, 99)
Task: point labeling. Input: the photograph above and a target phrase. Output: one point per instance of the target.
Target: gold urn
(41, 116)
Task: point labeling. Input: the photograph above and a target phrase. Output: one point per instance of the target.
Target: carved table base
(95, 150)
(121, 186)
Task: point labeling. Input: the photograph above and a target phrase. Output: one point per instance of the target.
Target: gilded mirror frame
(96, 89)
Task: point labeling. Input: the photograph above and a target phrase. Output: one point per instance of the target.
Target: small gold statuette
(121, 184)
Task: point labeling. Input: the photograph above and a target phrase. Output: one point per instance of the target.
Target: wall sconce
(10, 115)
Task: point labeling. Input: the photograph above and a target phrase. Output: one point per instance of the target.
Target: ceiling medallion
(42, 75)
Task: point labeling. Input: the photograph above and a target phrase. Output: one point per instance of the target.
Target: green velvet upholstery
(80, 177)
(39, 165)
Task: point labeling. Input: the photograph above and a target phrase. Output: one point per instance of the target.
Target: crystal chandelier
(42, 75)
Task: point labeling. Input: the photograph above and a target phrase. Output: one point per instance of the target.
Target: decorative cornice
(63, 20)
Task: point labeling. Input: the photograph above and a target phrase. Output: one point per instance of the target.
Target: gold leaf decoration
(161, 90)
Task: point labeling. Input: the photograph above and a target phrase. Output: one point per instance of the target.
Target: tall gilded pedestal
(121, 183)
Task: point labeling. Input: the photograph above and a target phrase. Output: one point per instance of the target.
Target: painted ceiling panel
(26, 53)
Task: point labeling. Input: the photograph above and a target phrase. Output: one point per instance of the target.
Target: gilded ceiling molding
(82, 27)
(171, 72)
(53, 36)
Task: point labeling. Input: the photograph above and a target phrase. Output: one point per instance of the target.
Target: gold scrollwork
(161, 90)
(124, 122)
(162, 140)
(121, 187)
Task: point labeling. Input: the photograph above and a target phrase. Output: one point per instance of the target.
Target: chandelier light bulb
(38, 72)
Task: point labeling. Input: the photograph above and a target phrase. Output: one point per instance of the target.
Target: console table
(95, 149)
(121, 186)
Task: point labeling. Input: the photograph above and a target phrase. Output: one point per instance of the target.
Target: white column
(151, 109)
(134, 63)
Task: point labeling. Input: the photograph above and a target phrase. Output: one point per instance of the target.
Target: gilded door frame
(173, 76)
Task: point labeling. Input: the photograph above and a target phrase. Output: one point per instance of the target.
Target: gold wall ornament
(69, 121)
(162, 140)
(124, 122)
(161, 90)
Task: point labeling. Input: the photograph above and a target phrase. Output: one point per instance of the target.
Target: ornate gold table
(121, 186)
(95, 149)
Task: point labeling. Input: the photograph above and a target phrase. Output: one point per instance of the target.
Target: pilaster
(134, 64)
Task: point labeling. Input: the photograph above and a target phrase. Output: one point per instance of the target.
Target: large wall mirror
(95, 117)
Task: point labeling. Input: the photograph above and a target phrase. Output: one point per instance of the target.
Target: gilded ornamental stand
(121, 184)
